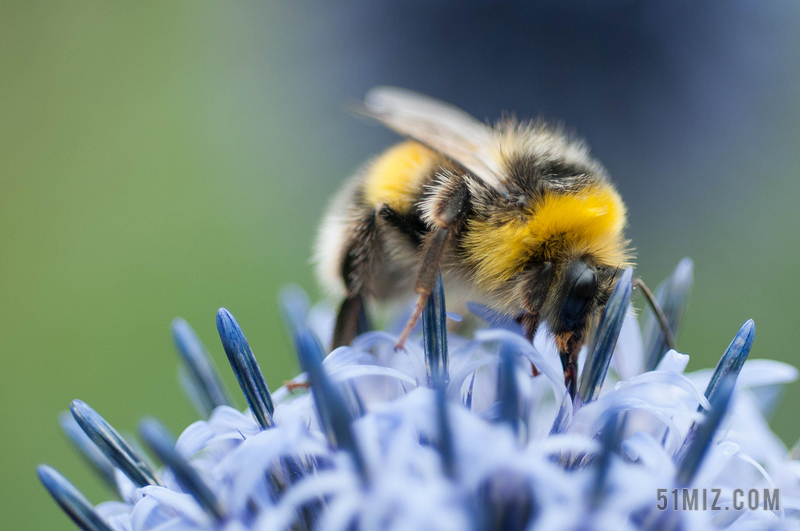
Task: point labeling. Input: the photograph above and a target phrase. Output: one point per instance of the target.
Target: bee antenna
(656, 307)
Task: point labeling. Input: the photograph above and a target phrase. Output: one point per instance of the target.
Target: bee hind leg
(351, 320)
(445, 211)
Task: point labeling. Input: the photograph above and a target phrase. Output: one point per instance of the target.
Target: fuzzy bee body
(373, 232)
(518, 216)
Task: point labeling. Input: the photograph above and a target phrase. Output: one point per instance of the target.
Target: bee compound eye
(579, 296)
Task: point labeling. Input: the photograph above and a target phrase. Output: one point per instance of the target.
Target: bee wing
(438, 125)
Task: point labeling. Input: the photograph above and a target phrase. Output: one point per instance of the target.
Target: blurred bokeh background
(167, 158)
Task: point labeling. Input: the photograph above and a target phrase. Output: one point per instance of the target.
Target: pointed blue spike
(334, 416)
(293, 469)
(468, 398)
(698, 440)
(161, 442)
(672, 295)
(295, 305)
(281, 476)
(610, 438)
(434, 330)
(352, 399)
(732, 361)
(727, 371)
(71, 500)
(605, 340)
(506, 502)
(88, 450)
(210, 391)
(563, 417)
(507, 390)
(113, 445)
(275, 487)
(445, 442)
(191, 390)
(246, 369)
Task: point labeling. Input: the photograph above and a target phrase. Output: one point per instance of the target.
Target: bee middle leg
(446, 213)
(356, 265)
(351, 320)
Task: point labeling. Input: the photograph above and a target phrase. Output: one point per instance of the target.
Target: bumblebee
(515, 215)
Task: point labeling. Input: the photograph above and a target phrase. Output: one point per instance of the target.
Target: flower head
(451, 433)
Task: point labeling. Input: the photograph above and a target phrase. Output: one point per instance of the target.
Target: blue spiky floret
(450, 433)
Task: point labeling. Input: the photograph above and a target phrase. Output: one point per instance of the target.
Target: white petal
(673, 361)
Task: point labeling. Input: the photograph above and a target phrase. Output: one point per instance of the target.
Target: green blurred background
(168, 158)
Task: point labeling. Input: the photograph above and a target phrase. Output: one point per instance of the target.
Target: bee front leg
(530, 323)
(444, 209)
(569, 345)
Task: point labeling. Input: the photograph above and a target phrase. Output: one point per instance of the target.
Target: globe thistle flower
(453, 433)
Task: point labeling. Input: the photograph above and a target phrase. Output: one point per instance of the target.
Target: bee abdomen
(397, 178)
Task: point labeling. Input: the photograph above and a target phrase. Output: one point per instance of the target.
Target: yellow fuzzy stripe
(555, 227)
(395, 176)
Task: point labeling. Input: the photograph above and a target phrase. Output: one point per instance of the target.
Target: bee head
(579, 291)
(566, 294)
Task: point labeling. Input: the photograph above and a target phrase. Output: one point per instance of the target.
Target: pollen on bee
(555, 226)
